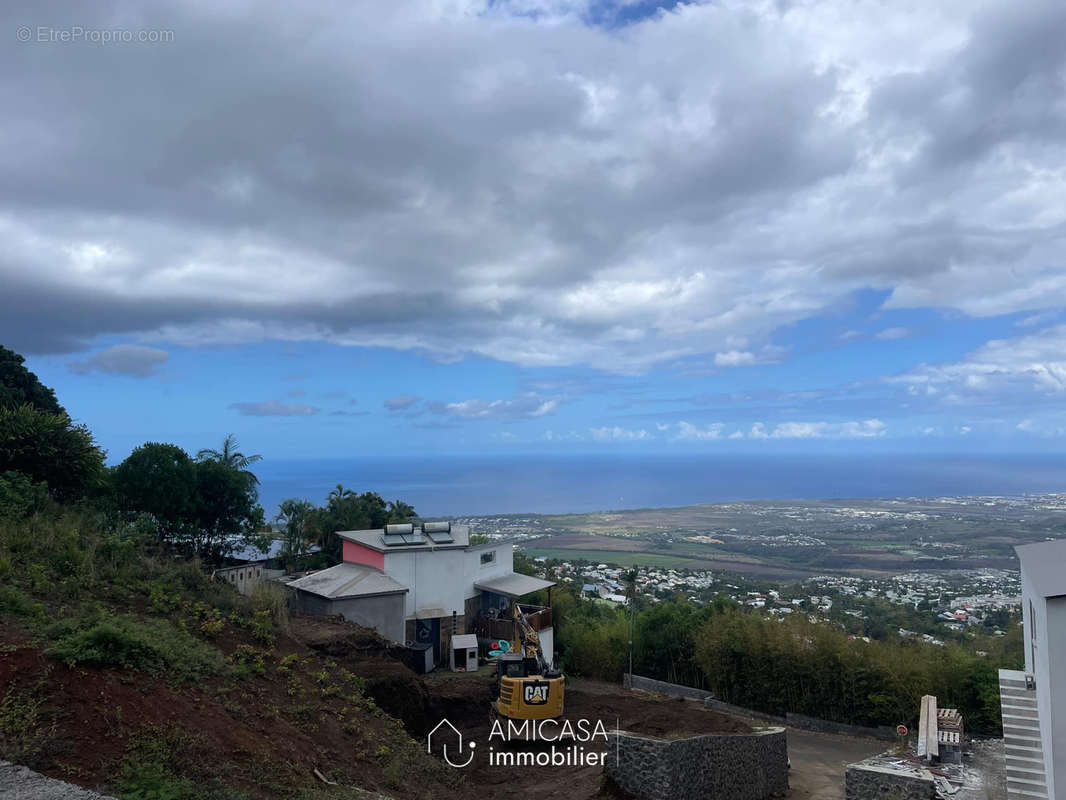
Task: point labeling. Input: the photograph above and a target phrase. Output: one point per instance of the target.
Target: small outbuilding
(359, 593)
(464, 653)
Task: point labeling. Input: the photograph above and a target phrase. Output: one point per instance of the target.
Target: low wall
(672, 689)
(870, 782)
(804, 722)
(714, 767)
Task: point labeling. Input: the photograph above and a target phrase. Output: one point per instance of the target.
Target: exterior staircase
(1022, 748)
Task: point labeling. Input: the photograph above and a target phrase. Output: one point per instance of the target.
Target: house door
(427, 631)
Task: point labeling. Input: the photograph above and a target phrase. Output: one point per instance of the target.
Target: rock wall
(714, 767)
(868, 782)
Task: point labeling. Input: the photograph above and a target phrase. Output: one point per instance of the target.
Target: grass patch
(25, 735)
(154, 646)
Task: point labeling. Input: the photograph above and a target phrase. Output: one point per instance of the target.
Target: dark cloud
(130, 360)
(272, 408)
(531, 189)
(401, 402)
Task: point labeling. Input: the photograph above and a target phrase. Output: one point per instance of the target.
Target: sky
(448, 226)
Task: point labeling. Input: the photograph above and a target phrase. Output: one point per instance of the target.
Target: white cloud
(532, 189)
(690, 432)
(617, 434)
(525, 406)
(1027, 364)
(866, 429)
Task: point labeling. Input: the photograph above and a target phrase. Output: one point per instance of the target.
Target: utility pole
(632, 614)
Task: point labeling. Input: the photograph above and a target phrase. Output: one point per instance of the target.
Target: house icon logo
(445, 734)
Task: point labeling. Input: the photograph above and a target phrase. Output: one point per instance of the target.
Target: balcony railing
(503, 627)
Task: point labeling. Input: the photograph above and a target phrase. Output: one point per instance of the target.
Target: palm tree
(399, 511)
(339, 494)
(231, 457)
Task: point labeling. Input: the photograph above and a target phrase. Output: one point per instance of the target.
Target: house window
(488, 557)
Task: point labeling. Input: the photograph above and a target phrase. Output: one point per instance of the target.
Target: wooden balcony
(503, 628)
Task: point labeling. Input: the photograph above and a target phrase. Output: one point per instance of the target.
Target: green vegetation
(25, 733)
(619, 557)
(785, 665)
(153, 646)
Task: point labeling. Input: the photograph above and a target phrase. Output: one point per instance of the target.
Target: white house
(1033, 701)
(421, 583)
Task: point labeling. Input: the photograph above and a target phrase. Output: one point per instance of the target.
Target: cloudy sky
(552, 226)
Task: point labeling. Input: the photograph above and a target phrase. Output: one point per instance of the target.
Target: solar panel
(393, 539)
(414, 537)
(440, 537)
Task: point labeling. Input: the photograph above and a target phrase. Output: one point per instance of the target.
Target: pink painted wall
(361, 554)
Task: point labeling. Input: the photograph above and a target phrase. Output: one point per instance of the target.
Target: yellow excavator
(526, 688)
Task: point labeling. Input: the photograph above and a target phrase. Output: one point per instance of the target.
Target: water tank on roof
(401, 527)
(437, 527)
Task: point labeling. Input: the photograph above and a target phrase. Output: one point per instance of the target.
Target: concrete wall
(672, 689)
(806, 723)
(1055, 746)
(244, 577)
(383, 613)
(868, 782)
(727, 767)
(445, 578)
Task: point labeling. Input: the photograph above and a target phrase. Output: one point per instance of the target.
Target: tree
(226, 511)
(38, 439)
(158, 479)
(295, 515)
(339, 495)
(48, 448)
(399, 511)
(19, 386)
(229, 455)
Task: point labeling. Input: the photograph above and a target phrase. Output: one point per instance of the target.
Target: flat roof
(348, 580)
(374, 539)
(464, 640)
(1045, 564)
(513, 584)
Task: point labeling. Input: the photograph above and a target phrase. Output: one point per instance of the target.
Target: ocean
(467, 485)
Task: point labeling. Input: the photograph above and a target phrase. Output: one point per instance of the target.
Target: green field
(618, 557)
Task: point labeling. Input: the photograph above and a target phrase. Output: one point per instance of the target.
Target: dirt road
(819, 760)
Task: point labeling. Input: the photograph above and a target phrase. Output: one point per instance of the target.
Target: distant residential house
(422, 583)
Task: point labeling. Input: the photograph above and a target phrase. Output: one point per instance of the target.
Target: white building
(420, 584)
(1034, 700)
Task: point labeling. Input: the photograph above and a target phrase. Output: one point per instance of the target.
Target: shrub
(268, 596)
(212, 627)
(247, 661)
(263, 626)
(155, 646)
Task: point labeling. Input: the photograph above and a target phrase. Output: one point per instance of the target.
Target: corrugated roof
(513, 585)
(1045, 565)
(348, 580)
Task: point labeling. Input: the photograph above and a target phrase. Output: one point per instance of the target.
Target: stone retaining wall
(714, 767)
(672, 689)
(870, 782)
